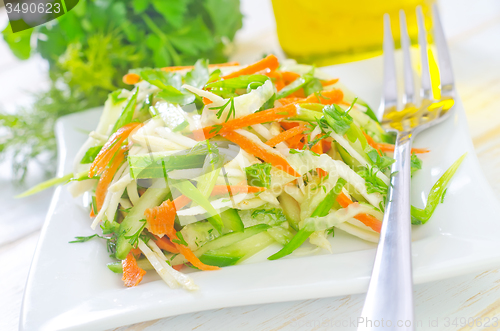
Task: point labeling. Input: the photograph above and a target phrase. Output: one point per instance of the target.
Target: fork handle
(390, 293)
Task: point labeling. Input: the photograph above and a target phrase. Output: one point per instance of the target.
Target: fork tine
(390, 93)
(426, 86)
(408, 97)
(445, 69)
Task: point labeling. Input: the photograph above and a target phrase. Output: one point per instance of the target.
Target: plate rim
(358, 285)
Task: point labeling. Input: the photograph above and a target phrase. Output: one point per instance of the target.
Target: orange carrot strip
(390, 147)
(132, 274)
(131, 79)
(295, 142)
(106, 178)
(335, 96)
(92, 214)
(289, 76)
(372, 143)
(369, 221)
(317, 148)
(289, 125)
(326, 97)
(344, 200)
(193, 259)
(329, 82)
(273, 74)
(177, 68)
(181, 201)
(286, 101)
(224, 64)
(281, 78)
(313, 98)
(178, 267)
(268, 115)
(157, 225)
(299, 93)
(165, 244)
(235, 189)
(286, 76)
(370, 140)
(165, 215)
(251, 147)
(277, 78)
(136, 252)
(321, 173)
(206, 101)
(327, 145)
(285, 135)
(366, 219)
(279, 84)
(109, 149)
(269, 62)
(300, 145)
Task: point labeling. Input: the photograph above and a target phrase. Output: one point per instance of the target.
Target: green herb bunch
(90, 48)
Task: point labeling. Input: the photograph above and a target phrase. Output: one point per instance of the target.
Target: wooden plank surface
(473, 29)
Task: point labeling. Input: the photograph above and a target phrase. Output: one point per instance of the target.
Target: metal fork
(390, 293)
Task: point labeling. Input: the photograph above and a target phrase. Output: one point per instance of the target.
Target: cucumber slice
(355, 194)
(369, 123)
(280, 234)
(219, 261)
(117, 268)
(238, 251)
(291, 209)
(232, 220)
(223, 241)
(132, 222)
(198, 234)
(265, 214)
(321, 210)
(347, 158)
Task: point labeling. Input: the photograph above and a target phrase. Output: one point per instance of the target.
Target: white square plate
(70, 287)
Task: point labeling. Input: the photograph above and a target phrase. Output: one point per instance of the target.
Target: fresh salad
(205, 166)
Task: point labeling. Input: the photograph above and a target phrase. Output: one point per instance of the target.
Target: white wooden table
(473, 30)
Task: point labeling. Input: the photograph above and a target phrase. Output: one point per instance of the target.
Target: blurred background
(82, 56)
(71, 64)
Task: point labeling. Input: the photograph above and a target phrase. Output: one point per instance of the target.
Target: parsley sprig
(181, 240)
(259, 174)
(216, 128)
(415, 163)
(372, 182)
(108, 227)
(380, 161)
(85, 239)
(336, 118)
(134, 238)
(232, 109)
